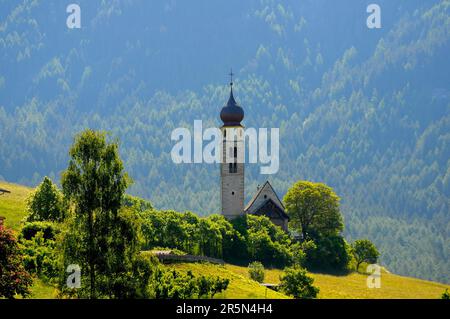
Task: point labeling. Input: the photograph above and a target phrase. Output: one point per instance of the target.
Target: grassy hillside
(12, 206)
(240, 286)
(354, 285)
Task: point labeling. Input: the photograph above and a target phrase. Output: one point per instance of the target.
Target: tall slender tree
(94, 183)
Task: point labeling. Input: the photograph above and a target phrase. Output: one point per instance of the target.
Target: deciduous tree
(46, 203)
(296, 282)
(364, 251)
(102, 238)
(313, 209)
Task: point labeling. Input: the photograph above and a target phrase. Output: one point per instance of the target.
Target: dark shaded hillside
(365, 111)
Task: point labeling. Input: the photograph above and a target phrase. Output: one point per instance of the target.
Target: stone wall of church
(232, 183)
(232, 196)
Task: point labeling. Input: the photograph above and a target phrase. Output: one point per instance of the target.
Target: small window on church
(230, 168)
(225, 133)
(235, 152)
(232, 193)
(234, 167)
(265, 196)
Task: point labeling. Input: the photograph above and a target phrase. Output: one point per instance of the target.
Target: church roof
(265, 185)
(270, 206)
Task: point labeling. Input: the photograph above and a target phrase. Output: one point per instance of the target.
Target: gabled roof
(250, 203)
(269, 202)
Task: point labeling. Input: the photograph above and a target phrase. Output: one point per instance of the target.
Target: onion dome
(232, 114)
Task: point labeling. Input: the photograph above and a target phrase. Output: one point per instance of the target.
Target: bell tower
(232, 164)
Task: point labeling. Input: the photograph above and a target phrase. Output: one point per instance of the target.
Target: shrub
(446, 295)
(40, 256)
(330, 254)
(209, 286)
(37, 240)
(256, 271)
(171, 284)
(14, 279)
(296, 282)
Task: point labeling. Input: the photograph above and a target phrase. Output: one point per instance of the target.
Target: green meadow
(353, 285)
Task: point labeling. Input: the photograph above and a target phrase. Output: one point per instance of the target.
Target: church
(265, 201)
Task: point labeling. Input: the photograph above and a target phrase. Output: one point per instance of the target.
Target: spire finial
(231, 78)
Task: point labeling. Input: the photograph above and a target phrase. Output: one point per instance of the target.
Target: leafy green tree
(174, 230)
(267, 242)
(210, 238)
(100, 237)
(256, 271)
(300, 251)
(14, 279)
(136, 203)
(209, 286)
(331, 253)
(313, 209)
(364, 251)
(213, 236)
(45, 203)
(296, 282)
(153, 229)
(233, 243)
(124, 272)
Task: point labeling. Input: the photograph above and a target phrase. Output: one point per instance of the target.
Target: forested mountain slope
(365, 111)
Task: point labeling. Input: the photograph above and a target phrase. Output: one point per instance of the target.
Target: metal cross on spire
(231, 77)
